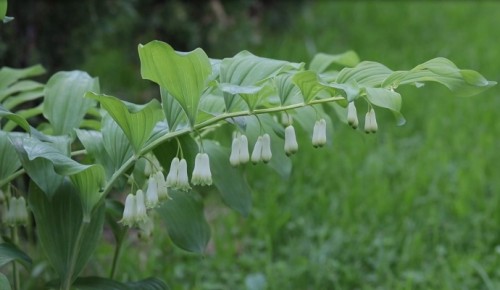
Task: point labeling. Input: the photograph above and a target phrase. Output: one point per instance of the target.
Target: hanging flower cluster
(239, 151)
(262, 149)
(17, 214)
(177, 177)
(371, 122)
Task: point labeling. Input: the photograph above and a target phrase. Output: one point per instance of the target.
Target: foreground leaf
(322, 61)
(8, 75)
(10, 161)
(14, 118)
(10, 252)
(4, 282)
(185, 222)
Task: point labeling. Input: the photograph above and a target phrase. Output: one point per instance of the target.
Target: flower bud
(129, 212)
(352, 115)
(152, 193)
(234, 159)
(140, 207)
(172, 179)
(182, 176)
(244, 155)
(257, 151)
(286, 119)
(371, 122)
(201, 172)
(319, 133)
(266, 154)
(291, 145)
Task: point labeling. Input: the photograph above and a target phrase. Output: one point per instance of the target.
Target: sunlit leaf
(10, 252)
(186, 224)
(366, 73)
(230, 181)
(67, 240)
(321, 61)
(136, 121)
(183, 74)
(115, 142)
(64, 104)
(250, 94)
(310, 85)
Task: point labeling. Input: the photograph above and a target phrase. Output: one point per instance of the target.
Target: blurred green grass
(412, 207)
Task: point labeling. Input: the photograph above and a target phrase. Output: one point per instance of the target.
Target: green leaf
(3, 11)
(321, 61)
(443, 71)
(250, 94)
(23, 97)
(311, 85)
(115, 142)
(174, 113)
(15, 118)
(388, 99)
(287, 91)
(89, 183)
(18, 87)
(94, 144)
(183, 74)
(166, 151)
(92, 283)
(185, 222)
(67, 240)
(4, 282)
(64, 104)
(246, 69)
(8, 75)
(10, 162)
(230, 181)
(136, 121)
(10, 252)
(367, 73)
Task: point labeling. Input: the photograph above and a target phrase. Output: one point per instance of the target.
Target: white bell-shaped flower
(182, 176)
(371, 122)
(129, 212)
(234, 158)
(17, 214)
(319, 133)
(172, 178)
(140, 207)
(162, 186)
(352, 115)
(244, 155)
(291, 145)
(257, 151)
(152, 192)
(266, 154)
(201, 173)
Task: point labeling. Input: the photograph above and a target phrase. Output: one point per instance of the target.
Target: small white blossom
(162, 186)
(129, 212)
(201, 172)
(257, 151)
(244, 155)
(291, 145)
(266, 154)
(352, 115)
(371, 122)
(182, 176)
(234, 159)
(17, 214)
(172, 179)
(140, 207)
(319, 133)
(152, 193)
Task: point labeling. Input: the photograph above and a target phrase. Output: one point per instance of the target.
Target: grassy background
(412, 207)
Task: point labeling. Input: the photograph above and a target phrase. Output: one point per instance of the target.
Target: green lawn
(412, 207)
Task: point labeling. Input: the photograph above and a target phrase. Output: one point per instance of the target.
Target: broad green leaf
(388, 99)
(10, 252)
(23, 97)
(101, 283)
(10, 162)
(443, 71)
(250, 94)
(287, 91)
(230, 181)
(24, 114)
(115, 142)
(15, 118)
(174, 113)
(94, 144)
(3, 11)
(311, 85)
(67, 240)
(21, 86)
(186, 224)
(366, 73)
(322, 61)
(8, 75)
(4, 282)
(279, 162)
(89, 183)
(136, 121)
(246, 69)
(183, 74)
(64, 104)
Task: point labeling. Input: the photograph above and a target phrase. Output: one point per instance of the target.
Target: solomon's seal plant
(91, 158)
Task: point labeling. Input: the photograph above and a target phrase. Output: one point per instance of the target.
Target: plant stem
(11, 177)
(15, 270)
(116, 257)
(66, 285)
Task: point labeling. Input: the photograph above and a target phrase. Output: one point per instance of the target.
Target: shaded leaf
(185, 222)
(366, 73)
(321, 61)
(15, 118)
(183, 74)
(174, 113)
(10, 161)
(4, 282)
(67, 240)
(286, 89)
(230, 181)
(94, 144)
(10, 252)
(101, 283)
(115, 142)
(64, 104)
(136, 121)
(166, 151)
(388, 99)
